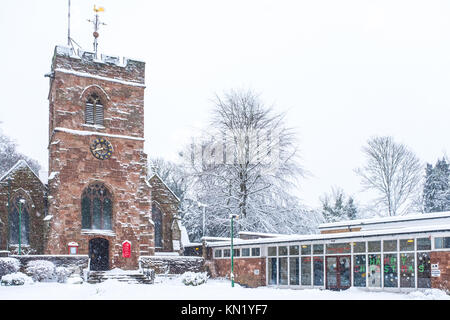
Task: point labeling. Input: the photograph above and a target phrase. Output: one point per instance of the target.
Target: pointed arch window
(94, 112)
(96, 208)
(157, 220)
(19, 219)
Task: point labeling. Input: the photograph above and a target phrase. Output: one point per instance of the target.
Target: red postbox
(126, 249)
(72, 247)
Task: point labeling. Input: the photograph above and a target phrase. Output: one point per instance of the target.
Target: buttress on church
(98, 196)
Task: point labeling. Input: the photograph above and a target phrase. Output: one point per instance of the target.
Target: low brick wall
(443, 259)
(67, 261)
(249, 272)
(172, 265)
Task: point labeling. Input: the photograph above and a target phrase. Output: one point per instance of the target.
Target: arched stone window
(96, 208)
(157, 220)
(19, 219)
(94, 110)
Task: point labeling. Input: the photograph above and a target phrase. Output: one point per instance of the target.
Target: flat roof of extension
(383, 220)
(336, 236)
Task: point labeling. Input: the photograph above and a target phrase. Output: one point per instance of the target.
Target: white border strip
(92, 133)
(88, 75)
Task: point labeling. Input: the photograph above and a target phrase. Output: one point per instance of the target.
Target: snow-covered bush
(16, 279)
(194, 278)
(75, 279)
(62, 274)
(9, 265)
(41, 270)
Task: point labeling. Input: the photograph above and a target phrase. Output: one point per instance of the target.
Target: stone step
(129, 277)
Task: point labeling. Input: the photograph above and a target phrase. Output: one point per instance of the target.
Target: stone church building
(99, 199)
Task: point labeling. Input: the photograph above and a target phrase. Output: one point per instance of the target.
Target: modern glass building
(399, 253)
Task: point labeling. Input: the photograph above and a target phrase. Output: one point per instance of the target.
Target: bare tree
(246, 164)
(393, 171)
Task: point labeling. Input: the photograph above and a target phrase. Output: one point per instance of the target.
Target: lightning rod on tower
(96, 22)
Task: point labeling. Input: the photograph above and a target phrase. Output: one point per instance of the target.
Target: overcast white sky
(343, 70)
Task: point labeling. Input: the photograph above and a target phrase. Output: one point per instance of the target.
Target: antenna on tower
(70, 41)
(96, 23)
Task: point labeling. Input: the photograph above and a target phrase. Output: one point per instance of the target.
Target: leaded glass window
(17, 223)
(96, 208)
(157, 220)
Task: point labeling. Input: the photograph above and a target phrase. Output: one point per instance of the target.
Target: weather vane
(96, 22)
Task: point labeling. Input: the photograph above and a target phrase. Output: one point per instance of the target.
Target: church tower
(99, 197)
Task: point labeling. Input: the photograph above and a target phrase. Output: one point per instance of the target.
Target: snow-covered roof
(19, 165)
(261, 234)
(341, 235)
(160, 179)
(396, 219)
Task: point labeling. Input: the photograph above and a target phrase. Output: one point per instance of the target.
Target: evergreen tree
(336, 208)
(436, 190)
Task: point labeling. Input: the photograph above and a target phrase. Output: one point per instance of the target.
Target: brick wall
(443, 259)
(244, 270)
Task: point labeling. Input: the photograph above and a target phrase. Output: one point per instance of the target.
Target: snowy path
(173, 289)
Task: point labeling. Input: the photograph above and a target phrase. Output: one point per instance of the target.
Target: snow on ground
(215, 289)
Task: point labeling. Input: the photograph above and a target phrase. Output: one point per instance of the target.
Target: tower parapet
(124, 69)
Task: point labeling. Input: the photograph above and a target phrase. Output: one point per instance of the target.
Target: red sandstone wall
(168, 204)
(24, 183)
(123, 174)
(443, 259)
(243, 270)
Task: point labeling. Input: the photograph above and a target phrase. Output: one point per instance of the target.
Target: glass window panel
(374, 275)
(423, 244)
(318, 270)
(107, 214)
(407, 244)
(283, 271)
(256, 252)
(318, 248)
(374, 246)
(390, 271)
(442, 243)
(332, 272)
(389, 245)
(226, 252)
(282, 251)
(359, 247)
(423, 270)
(96, 214)
(294, 271)
(245, 252)
(236, 252)
(273, 271)
(85, 213)
(407, 279)
(359, 270)
(306, 249)
(218, 253)
(293, 250)
(272, 251)
(344, 271)
(306, 271)
(335, 248)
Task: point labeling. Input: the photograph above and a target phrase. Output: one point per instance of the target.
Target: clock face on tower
(101, 149)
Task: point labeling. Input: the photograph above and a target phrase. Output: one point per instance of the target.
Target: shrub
(62, 274)
(9, 265)
(41, 270)
(194, 278)
(16, 279)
